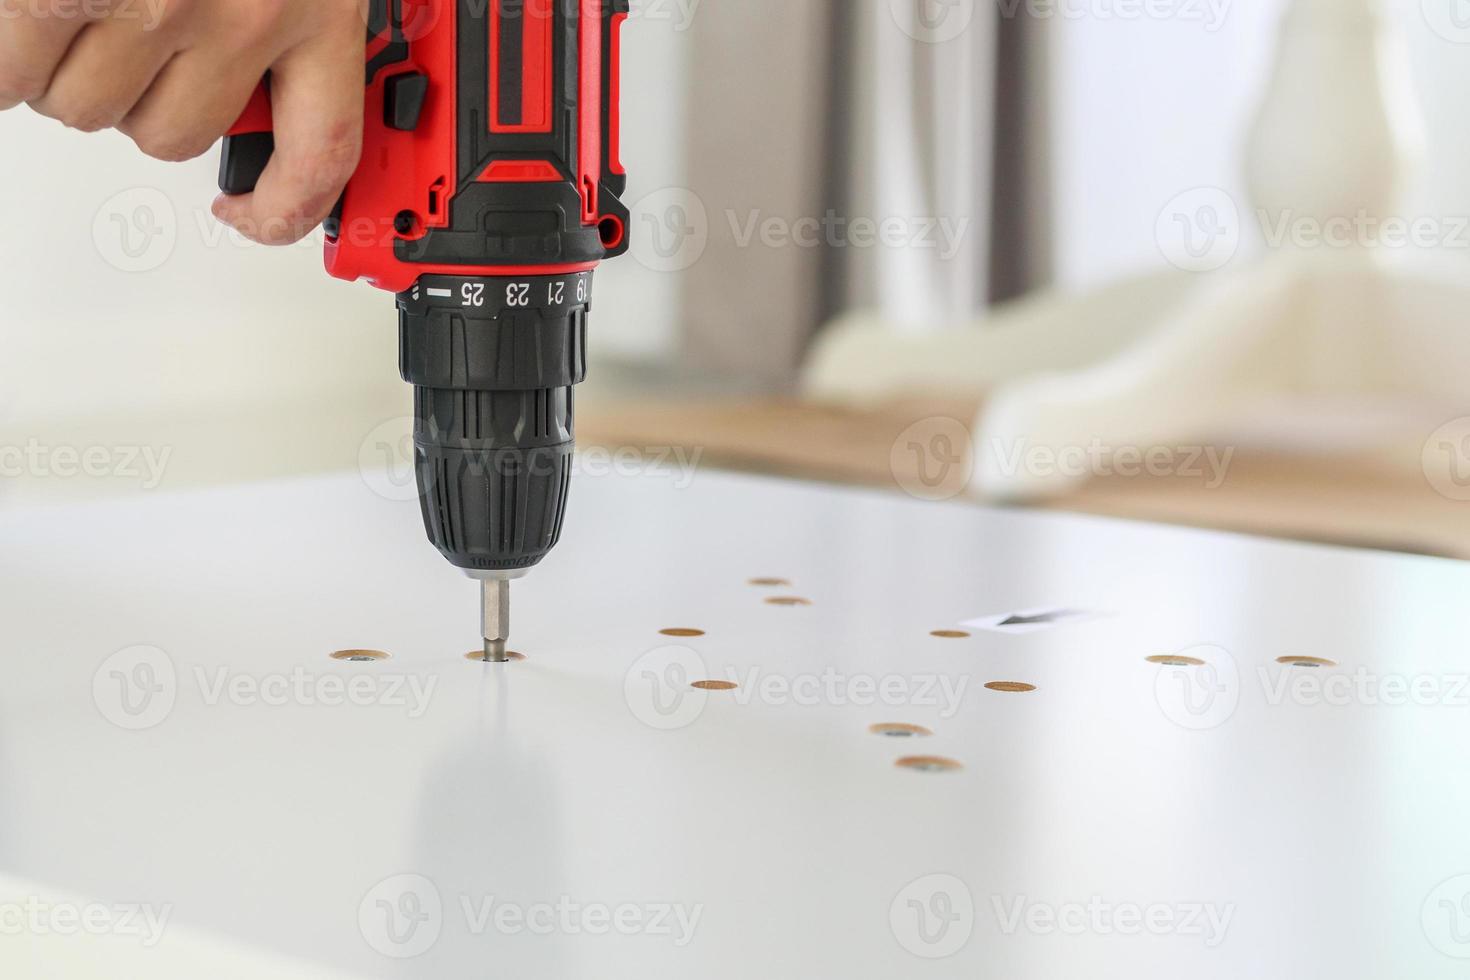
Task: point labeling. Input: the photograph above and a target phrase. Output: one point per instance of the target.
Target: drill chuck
(493, 362)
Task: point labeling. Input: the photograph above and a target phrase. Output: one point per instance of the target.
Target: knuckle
(321, 173)
(337, 160)
(80, 114)
(18, 86)
(168, 144)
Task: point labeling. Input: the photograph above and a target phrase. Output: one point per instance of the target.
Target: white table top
(176, 741)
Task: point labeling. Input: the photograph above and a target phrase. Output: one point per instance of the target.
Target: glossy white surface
(1322, 828)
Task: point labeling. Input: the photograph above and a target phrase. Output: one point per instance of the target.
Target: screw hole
(1311, 662)
(479, 656)
(359, 656)
(928, 763)
(1010, 687)
(1173, 660)
(899, 730)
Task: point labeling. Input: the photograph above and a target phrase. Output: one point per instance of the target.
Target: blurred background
(1198, 261)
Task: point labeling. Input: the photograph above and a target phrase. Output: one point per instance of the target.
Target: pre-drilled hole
(359, 656)
(900, 730)
(950, 634)
(681, 631)
(1174, 660)
(928, 763)
(1010, 687)
(479, 656)
(770, 583)
(1305, 662)
(788, 600)
(714, 685)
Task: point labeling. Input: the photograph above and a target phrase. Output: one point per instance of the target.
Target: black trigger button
(332, 225)
(404, 100)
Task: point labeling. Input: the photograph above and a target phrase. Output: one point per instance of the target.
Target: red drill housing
(488, 190)
(490, 144)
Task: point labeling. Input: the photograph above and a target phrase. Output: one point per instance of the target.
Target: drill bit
(495, 619)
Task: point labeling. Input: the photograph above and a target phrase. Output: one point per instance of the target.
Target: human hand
(174, 75)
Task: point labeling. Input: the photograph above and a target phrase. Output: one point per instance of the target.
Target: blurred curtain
(1021, 221)
(759, 162)
(921, 99)
(879, 124)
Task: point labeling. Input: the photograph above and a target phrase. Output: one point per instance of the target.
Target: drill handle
(249, 145)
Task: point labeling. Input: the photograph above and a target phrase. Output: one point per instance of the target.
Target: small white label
(1031, 620)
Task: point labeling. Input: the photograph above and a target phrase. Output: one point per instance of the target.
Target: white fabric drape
(922, 149)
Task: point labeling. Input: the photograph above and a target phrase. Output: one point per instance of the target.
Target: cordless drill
(488, 191)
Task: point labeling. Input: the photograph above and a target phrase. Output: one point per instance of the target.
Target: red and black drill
(488, 191)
